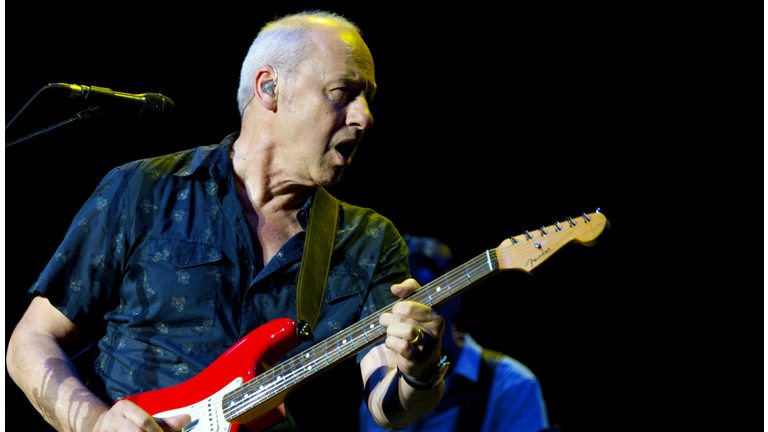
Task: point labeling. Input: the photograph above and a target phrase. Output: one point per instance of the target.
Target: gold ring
(418, 337)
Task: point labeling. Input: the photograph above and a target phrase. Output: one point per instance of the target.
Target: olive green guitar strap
(316, 261)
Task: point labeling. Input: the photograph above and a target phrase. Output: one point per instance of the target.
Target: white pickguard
(206, 414)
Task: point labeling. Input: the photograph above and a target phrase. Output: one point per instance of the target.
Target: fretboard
(324, 355)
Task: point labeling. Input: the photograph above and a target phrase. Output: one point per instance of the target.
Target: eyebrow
(351, 81)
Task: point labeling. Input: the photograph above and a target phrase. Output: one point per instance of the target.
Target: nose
(359, 113)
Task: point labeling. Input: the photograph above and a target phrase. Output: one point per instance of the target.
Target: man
(485, 390)
(174, 259)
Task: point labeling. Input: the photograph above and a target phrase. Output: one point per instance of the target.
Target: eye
(341, 94)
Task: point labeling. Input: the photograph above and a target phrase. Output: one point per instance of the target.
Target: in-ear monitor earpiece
(269, 88)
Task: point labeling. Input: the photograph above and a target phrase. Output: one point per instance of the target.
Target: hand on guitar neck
(403, 325)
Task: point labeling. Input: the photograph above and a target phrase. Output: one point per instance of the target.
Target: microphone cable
(25, 106)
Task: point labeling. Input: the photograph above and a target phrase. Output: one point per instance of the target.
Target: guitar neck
(524, 252)
(290, 374)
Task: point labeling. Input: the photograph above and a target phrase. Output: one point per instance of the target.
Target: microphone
(147, 104)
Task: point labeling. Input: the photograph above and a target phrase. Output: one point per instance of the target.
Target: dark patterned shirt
(160, 267)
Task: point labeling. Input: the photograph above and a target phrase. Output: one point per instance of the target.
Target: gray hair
(283, 43)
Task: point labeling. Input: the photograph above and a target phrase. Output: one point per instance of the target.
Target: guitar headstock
(528, 250)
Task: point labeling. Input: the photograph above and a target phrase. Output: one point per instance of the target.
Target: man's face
(325, 109)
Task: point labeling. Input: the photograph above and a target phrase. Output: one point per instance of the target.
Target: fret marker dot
(279, 378)
(438, 289)
(371, 325)
(344, 342)
(309, 367)
(261, 388)
(307, 356)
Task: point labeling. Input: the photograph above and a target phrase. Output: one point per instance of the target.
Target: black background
(486, 124)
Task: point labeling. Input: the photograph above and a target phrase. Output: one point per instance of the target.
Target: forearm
(43, 371)
(394, 404)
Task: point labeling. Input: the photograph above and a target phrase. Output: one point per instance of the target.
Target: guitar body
(255, 353)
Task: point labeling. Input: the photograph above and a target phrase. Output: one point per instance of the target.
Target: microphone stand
(83, 116)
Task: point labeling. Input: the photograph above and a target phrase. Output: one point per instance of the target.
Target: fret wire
(259, 394)
(303, 366)
(338, 348)
(314, 360)
(269, 386)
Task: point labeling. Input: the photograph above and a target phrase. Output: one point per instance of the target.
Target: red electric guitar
(243, 390)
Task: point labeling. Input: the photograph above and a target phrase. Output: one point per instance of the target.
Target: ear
(266, 80)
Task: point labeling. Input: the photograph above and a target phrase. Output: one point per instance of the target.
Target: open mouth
(345, 150)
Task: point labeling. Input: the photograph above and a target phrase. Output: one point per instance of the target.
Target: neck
(269, 199)
(262, 184)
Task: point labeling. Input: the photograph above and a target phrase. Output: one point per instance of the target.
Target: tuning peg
(558, 228)
(514, 240)
(570, 222)
(527, 235)
(586, 218)
(541, 230)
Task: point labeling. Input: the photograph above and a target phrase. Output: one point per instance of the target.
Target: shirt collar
(303, 215)
(216, 157)
(468, 364)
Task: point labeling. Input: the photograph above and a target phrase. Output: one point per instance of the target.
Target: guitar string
(423, 295)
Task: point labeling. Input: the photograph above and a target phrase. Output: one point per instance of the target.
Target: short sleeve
(81, 278)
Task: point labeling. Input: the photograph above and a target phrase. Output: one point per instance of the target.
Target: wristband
(440, 370)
